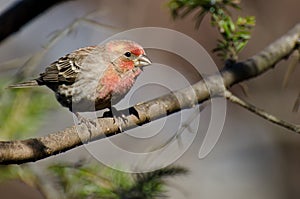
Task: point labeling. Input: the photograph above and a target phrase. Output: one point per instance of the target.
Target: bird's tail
(27, 84)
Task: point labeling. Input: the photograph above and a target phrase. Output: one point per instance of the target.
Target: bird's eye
(127, 54)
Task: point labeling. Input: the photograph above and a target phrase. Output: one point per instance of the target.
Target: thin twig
(178, 134)
(260, 112)
(13, 63)
(297, 104)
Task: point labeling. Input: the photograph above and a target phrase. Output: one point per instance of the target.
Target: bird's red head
(126, 54)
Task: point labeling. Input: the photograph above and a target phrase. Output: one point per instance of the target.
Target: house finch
(90, 78)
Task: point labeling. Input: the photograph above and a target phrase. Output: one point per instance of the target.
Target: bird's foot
(119, 117)
(120, 121)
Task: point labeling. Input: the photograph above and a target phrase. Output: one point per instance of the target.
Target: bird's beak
(141, 61)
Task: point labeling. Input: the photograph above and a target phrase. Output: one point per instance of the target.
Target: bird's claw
(119, 117)
(120, 120)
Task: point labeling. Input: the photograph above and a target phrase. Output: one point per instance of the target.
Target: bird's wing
(66, 69)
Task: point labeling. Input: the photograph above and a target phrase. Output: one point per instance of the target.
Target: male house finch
(90, 78)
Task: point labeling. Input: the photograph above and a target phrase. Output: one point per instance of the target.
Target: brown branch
(262, 113)
(20, 13)
(38, 148)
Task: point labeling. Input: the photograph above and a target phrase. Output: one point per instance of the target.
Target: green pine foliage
(99, 182)
(235, 34)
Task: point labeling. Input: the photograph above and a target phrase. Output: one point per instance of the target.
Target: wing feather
(66, 69)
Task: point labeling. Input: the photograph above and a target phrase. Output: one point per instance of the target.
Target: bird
(95, 77)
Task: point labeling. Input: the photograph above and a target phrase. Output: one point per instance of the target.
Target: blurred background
(252, 159)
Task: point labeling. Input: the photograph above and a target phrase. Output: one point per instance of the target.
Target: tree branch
(262, 113)
(20, 13)
(16, 152)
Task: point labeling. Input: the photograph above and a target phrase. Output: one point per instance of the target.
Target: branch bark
(21, 151)
(262, 113)
(20, 13)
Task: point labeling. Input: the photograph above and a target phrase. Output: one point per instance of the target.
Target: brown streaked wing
(64, 70)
